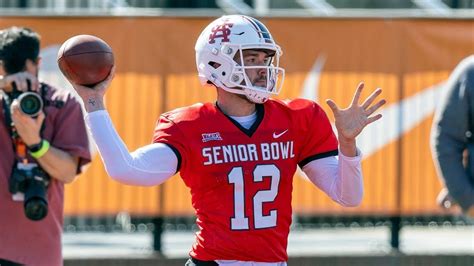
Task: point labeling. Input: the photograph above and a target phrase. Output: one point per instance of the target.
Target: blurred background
(406, 47)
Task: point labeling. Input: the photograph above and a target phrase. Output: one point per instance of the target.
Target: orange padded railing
(156, 72)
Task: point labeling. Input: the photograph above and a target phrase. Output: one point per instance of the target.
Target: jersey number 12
(236, 177)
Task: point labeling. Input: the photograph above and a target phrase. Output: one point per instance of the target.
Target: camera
(29, 183)
(30, 102)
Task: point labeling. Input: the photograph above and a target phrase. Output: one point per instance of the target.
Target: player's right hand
(22, 81)
(93, 98)
(104, 85)
(98, 89)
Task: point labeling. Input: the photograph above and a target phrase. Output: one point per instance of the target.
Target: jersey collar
(249, 132)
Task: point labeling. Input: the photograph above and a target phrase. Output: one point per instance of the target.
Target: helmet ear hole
(237, 78)
(213, 64)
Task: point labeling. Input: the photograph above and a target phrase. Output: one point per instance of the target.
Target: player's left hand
(352, 120)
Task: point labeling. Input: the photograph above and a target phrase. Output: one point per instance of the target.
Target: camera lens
(36, 204)
(36, 209)
(30, 103)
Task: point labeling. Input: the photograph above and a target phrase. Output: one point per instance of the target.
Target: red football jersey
(241, 180)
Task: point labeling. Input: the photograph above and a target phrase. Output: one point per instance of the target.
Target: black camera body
(29, 183)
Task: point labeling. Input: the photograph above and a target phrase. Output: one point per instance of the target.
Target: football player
(239, 154)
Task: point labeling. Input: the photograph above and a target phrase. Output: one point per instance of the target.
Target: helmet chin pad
(256, 96)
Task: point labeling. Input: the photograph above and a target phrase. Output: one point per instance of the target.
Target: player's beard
(254, 81)
(262, 80)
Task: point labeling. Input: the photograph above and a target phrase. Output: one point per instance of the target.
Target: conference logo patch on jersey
(211, 136)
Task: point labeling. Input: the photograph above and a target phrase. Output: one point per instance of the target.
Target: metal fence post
(157, 232)
(396, 222)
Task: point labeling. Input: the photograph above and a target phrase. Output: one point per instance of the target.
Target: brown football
(85, 60)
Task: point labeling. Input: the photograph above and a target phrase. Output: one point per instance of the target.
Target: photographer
(43, 145)
(452, 140)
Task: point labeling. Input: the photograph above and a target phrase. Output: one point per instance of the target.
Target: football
(85, 60)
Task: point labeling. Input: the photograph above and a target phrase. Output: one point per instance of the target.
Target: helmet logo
(220, 31)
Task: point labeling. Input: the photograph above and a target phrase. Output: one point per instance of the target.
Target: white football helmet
(216, 50)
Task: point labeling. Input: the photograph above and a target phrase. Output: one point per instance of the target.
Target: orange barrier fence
(324, 58)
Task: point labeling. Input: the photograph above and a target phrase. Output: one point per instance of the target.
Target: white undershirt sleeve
(147, 166)
(341, 179)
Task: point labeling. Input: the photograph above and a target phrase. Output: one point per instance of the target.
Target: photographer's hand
(27, 127)
(21, 80)
(93, 98)
(57, 163)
